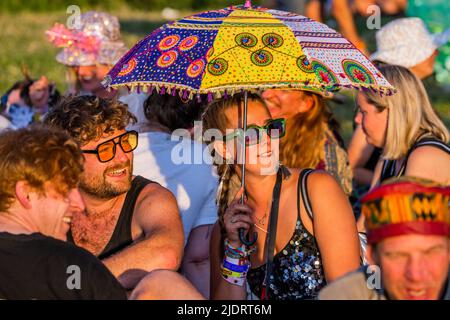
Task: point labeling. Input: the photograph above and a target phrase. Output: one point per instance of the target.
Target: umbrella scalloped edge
(187, 92)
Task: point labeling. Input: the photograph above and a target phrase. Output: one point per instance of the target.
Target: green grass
(23, 43)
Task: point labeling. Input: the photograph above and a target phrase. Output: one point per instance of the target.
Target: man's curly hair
(37, 155)
(88, 118)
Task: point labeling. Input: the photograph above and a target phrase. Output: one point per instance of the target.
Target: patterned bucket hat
(97, 41)
(407, 42)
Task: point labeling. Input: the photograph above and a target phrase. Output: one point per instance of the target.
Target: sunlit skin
(109, 179)
(260, 158)
(413, 267)
(286, 103)
(54, 215)
(47, 213)
(374, 123)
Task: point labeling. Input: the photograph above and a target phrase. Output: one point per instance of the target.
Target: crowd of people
(89, 183)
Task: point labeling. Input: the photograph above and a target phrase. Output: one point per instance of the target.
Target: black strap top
(297, 268)
(389, 166)
(121, 237)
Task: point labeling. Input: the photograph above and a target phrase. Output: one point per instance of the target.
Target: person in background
(413, 138)
(387, 7)
(408, 225)
(397, 44)
(163, 139)
(312, 139)
(27, 101)
(319, 9)
(89, 53)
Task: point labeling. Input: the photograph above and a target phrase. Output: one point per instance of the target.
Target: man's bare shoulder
(156, 207)
(155, 195)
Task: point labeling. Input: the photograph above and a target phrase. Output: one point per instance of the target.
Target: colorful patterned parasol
(244, 48)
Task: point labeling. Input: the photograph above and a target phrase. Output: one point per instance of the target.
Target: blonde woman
(316, 238)
(413, 138)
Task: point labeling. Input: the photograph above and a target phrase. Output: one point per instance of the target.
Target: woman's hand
(237, 216)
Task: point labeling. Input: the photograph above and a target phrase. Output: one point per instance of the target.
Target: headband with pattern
(406, 206)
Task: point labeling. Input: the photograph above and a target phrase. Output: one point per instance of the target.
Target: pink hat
(97, 41)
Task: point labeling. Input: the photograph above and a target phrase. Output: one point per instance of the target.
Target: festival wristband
(234, 267)
(238, 262)
(230, 273)
(235, 281)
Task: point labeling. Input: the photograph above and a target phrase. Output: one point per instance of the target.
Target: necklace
(256, 226)
(262, 221)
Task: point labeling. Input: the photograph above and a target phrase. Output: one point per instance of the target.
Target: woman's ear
(306, 104)
(23, 192)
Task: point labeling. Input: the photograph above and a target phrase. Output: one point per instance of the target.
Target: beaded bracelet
(239, 252)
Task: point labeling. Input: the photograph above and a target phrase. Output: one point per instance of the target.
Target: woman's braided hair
(214, 117)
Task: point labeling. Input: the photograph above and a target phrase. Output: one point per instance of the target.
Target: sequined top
(297, 269)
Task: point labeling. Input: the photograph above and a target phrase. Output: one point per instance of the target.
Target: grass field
(23, 43)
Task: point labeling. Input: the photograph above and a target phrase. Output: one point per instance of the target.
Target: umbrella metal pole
(242, 236)
(243, 146)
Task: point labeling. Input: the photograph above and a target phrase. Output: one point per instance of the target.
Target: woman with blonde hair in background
(413, 138)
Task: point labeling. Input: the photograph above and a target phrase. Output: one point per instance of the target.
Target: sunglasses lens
(252, 136)
(106, 151)
(129, 141)
(276, 129)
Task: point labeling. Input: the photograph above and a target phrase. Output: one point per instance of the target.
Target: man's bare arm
(161, 247)
(196, 262)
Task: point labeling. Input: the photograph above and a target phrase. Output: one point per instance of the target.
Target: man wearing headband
(131, 223)
(408, 225)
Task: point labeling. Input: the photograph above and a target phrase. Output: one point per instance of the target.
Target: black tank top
(389, 166)
(297, 268)
(121, 237)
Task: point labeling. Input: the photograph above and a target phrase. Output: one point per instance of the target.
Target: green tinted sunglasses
(275, 129)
